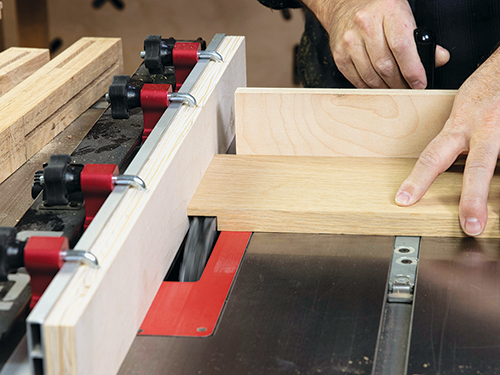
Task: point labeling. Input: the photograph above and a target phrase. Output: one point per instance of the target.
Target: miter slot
(391, 355)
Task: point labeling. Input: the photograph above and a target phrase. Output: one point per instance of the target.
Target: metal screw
(143, 54)
(402, 280)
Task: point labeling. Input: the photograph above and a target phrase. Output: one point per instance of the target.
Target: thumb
(442, 56)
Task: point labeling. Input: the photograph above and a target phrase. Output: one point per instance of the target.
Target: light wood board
(93, 324)
(339, 122)
(330, 195)
(23, 110)
(16, 64)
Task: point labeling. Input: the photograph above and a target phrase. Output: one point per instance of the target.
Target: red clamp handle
(185, 57)
(42, 259)
(96, 182)
(154, 101)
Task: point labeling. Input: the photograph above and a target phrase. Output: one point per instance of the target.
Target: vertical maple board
(94, 322)
(339, 122)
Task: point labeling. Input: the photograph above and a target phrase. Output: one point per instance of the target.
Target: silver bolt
(176, 97)
(129, 180)
(212, 55)
(143, 54)
(80, 257)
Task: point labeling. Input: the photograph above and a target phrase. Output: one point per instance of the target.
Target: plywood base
(330, 195)
(334, 122)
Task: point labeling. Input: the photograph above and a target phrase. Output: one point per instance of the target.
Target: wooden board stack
(16, 64)
(37, 109)
(94, 322)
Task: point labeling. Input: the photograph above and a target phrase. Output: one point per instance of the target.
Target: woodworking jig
(152, 247)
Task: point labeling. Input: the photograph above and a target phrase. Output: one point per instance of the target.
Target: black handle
(426, 47)
(123, 96)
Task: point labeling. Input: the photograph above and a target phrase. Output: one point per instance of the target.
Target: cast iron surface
(301, 304)
(456, 324)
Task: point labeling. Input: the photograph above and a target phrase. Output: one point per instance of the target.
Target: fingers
(437, 157)
(479, 169)
(383, 62)
(355, 65)
(442, 56)
(353, 61)
(399, 35)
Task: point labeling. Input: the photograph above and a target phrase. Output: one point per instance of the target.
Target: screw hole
(407, 261)
(201, 329)
(404, 250)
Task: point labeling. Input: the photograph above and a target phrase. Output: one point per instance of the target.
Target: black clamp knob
(158, 53)
(426, 47)
(58, 180)
(11, 252)
(123, 96)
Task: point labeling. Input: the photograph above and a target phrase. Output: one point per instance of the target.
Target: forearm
(324, 10)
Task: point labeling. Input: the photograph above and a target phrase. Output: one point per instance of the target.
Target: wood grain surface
(335, 122)
(16, 64)
(92, 326)
(330, 195)
(24, 109)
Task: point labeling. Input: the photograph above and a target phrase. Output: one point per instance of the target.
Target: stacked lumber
(16, 64)
(37, 109)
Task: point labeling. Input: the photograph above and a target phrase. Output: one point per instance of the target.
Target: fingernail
(472, 226)
(418, 85)
(402, 198)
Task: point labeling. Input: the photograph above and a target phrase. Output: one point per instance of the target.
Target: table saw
(302, 276)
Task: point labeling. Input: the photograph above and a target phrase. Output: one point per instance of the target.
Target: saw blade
(199, 244)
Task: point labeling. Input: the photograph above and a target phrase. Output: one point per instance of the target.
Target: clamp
(42, 256)
(67, 184)
(153, 98)
(159, 54)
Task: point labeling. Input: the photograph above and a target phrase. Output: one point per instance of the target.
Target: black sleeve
(281, 4)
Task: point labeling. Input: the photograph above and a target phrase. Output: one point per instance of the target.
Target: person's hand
(473, 127)
(372, 42)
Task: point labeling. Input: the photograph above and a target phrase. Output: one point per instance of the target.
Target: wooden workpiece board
(94, 322)
(343, 195)
(34, 111)
(16, 64)
(333, 122)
